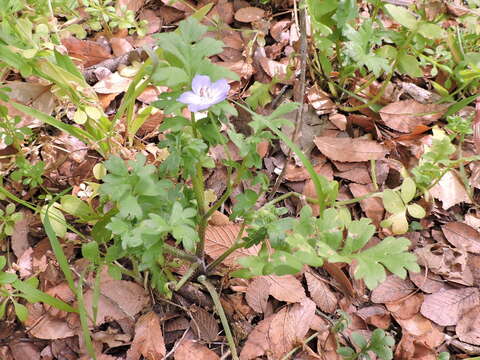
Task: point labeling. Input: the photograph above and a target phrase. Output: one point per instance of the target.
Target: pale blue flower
(204, 93)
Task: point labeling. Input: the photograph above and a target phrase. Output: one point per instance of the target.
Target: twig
(112, 64)
(223, 318)
(299, 116)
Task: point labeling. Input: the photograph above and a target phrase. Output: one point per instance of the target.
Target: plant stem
(198, 184)
(358, 199)
(237, 244)
(223, 318)
(179, 253)
(185, 278)
(295, 349)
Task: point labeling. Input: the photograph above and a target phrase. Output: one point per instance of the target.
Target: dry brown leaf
(34, 95)
(423, 330)
(119, 299)
(357, 173)
(280, 30)
(289, 326)
(133, 5)
(275, 69)
(446, 307)
(407, 307)
(450, 191)
(112, 84)
(148, 340)
(218, 239)
(154, 22)
(321, 294)
(373, 206)
(203, 324)
(375, 315)
(468, 327)
(249, 14)
(120, 46)
(24, 350)
(87, 51)
(279, 333)
(190, 349)
(392, 289)
(218, 219)
(462, 236)
(286, 288)
(257, 294)
(350, 150)
(405, 115)
(19, 238)
(429, 283)
(320, 101)
(444, 260)
(44, 326)
(257, 343)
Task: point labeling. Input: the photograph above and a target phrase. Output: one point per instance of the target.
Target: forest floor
(387, 92)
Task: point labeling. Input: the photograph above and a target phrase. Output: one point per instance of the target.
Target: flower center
(205, 92)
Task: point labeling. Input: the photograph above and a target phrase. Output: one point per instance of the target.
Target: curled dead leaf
(463, 236)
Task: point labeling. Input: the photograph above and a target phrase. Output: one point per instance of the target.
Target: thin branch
(301, 100)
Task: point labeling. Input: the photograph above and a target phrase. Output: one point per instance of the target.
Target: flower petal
(199, 107)
(220, 89)
(200, 81)
(189, 97)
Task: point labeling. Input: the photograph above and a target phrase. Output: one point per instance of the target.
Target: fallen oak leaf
(446, 307)
(463, 236)
(189, 349)
(468, 327)
(321, 294)
(279, 333)
(219, 239)
(406, 115)
(350, 150)
(148, 340)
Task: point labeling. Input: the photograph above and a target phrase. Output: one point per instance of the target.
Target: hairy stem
(223, 318)
(179, 253)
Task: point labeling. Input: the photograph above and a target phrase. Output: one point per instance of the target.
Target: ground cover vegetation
(239, 180)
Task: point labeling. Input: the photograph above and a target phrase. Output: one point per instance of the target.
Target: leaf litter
(278, 311)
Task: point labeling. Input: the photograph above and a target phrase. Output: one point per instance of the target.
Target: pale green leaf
(402, 16)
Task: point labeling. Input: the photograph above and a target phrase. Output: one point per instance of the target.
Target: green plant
(8, 218)
(347, 46)
(10, 134)
(29, 174)
(380, 343)
(104, 14)
(13, 289)
(397, 204)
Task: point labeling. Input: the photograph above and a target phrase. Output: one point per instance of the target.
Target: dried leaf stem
(302, 80)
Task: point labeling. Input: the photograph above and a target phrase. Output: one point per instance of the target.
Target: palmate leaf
(392, 254)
